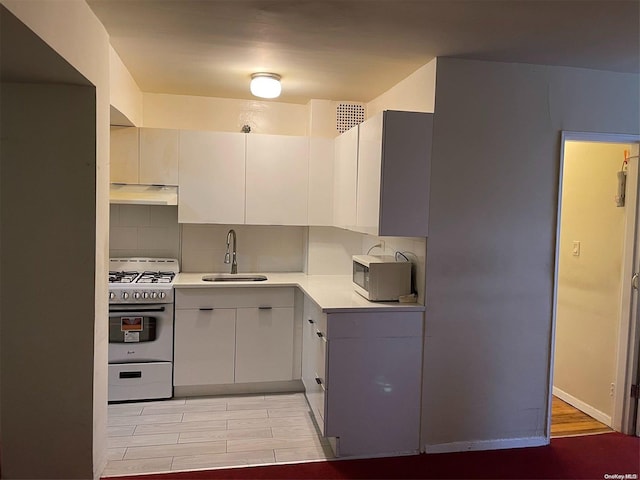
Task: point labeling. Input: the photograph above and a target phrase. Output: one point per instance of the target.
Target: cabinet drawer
(137, 381)
(237, 297)
(313, 314)
(374, 325)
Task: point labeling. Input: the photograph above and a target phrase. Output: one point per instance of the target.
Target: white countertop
(332, 293)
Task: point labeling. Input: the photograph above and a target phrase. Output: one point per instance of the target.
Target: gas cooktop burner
(156, 277)
(141, 280)
(123, 277)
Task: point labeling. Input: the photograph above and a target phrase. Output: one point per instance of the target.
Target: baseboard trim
(288, 386)
(585, 407)
(496, 444)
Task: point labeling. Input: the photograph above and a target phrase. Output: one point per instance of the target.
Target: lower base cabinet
(204, 344)
(264, 344)
(233, 336)
(362, 378)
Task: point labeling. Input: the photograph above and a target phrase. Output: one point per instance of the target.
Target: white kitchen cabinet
(314, 359)
(158, 156)
(321, 153)
(345, 180)
(227, 336)
(394, 164)
(124, 155)
(277, 175)
(212, 177)
(362, 378)
(264, 344)
(204, 348)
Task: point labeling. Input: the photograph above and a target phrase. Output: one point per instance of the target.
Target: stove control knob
(154, 294)
(136, 295)
(125, 295)
(112, 295)
(145, 295)
(162, 294)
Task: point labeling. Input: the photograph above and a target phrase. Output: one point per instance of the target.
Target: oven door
(140, 333)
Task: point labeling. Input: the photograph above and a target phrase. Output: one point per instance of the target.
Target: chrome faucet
(231, 258)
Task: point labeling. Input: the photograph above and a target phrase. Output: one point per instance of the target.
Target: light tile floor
(211, 432)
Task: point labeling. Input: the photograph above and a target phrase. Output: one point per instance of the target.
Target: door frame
(628, 336)
(622, 418)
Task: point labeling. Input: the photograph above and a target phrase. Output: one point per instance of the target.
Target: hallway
(567, 421)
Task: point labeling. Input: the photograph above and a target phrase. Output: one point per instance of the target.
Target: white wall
(490, 258)
(72, 30)
(589, 285)
(125, 95)
(223, 114)
(416, 93)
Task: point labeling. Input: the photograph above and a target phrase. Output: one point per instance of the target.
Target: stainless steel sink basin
(233, 277)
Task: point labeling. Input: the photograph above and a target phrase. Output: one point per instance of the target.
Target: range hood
(143, 194)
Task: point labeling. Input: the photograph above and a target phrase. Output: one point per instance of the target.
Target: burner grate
(123, 277)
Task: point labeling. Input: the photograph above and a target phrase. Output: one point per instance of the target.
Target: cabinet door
(211, 180)
(264, 344)
(158, 156)
(124, 155)
(345, 173)
(204, 348)
(321, 152)
(277, 179)
(369, 165)
(406, 171)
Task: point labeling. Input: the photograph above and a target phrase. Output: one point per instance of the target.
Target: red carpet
(587, 457)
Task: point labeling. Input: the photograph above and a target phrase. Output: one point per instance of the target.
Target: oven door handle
(137, 310)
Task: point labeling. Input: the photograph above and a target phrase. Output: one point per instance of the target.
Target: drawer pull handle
(318, 381)
(320, 334)
(206, 309)
(310, 320)
(137, 374)
(265, 308)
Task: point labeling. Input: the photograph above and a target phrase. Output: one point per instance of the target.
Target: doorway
(589, 361)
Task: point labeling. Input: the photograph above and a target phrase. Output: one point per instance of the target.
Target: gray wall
(47, 263)
(490, 252)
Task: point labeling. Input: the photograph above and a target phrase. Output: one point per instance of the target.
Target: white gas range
(141, 328)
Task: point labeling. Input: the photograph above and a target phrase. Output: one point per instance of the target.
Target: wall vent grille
(349, 115)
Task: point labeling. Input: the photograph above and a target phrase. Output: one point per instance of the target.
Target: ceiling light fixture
(265, 85)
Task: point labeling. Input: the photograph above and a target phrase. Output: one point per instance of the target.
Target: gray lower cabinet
(362, 377)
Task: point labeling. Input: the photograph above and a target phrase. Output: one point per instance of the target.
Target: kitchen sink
(233, 277)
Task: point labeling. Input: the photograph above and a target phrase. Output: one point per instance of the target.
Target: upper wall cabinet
(147, 156)
(124, 154)
(158, 156)
(321, 152)
(394, 164)
(345, 179)
(277, 179)
(212, 177)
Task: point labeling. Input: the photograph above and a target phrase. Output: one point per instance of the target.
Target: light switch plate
(575, 249)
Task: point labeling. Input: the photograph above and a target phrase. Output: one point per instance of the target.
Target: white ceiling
(354, 49)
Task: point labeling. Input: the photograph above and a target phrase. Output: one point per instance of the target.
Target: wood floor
(567, 421)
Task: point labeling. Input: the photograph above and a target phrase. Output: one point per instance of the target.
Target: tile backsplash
(260, 248)
(144, 231)
(330, 251)
(154, 231)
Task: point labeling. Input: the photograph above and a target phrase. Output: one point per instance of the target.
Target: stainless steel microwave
(380, 278)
